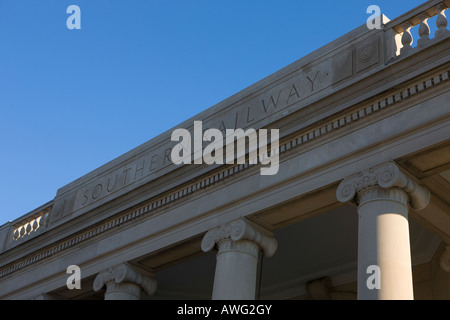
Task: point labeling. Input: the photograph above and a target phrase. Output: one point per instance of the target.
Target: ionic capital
(240, 230)
(125, 273)
(386, 176)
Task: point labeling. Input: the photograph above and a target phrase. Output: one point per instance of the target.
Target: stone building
(359, 208)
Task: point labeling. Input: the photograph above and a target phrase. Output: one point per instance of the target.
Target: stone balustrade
(29, 225)
(400, 30)
(25, 227)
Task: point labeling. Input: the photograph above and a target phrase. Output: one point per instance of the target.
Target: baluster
(35, 225)
(44, 219)
(28, 228)
(16, 234)
(424, 30)
(21, 231)
(407, 38)
(38, 220)
(441, 21)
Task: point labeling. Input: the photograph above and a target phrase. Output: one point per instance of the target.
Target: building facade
(358, 209)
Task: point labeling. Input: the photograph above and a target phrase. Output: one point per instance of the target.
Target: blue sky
(73, 100)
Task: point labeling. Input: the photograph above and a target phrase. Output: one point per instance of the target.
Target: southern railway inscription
(256, 107)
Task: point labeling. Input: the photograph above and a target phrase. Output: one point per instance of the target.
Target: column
(125, 282)
(238, 243)
(382, 195)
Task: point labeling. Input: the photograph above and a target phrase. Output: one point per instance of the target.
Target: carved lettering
(271, 102)
(312, 80)
(139, 169)
(153, 162)
(118, 179)
(223, 127)
(85, 196)
(254, 108)
(167, 156)
(97, 191)
(294, 92)
(126, 175)
(108, 188)
(248, 116)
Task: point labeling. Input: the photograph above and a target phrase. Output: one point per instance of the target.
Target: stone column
(125, 282)
(238, 243)
(382, 195)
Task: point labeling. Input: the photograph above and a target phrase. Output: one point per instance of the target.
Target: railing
(31, 224)
(28, 226)
(400, 29)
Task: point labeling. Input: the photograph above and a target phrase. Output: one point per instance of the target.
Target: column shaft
(236, 270)
(122, 291)
(383, 241)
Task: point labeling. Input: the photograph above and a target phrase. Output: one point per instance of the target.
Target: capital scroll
(126, 273)
(386, 176)
(241, 230)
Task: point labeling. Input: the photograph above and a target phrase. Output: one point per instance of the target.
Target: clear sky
(73, 100)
